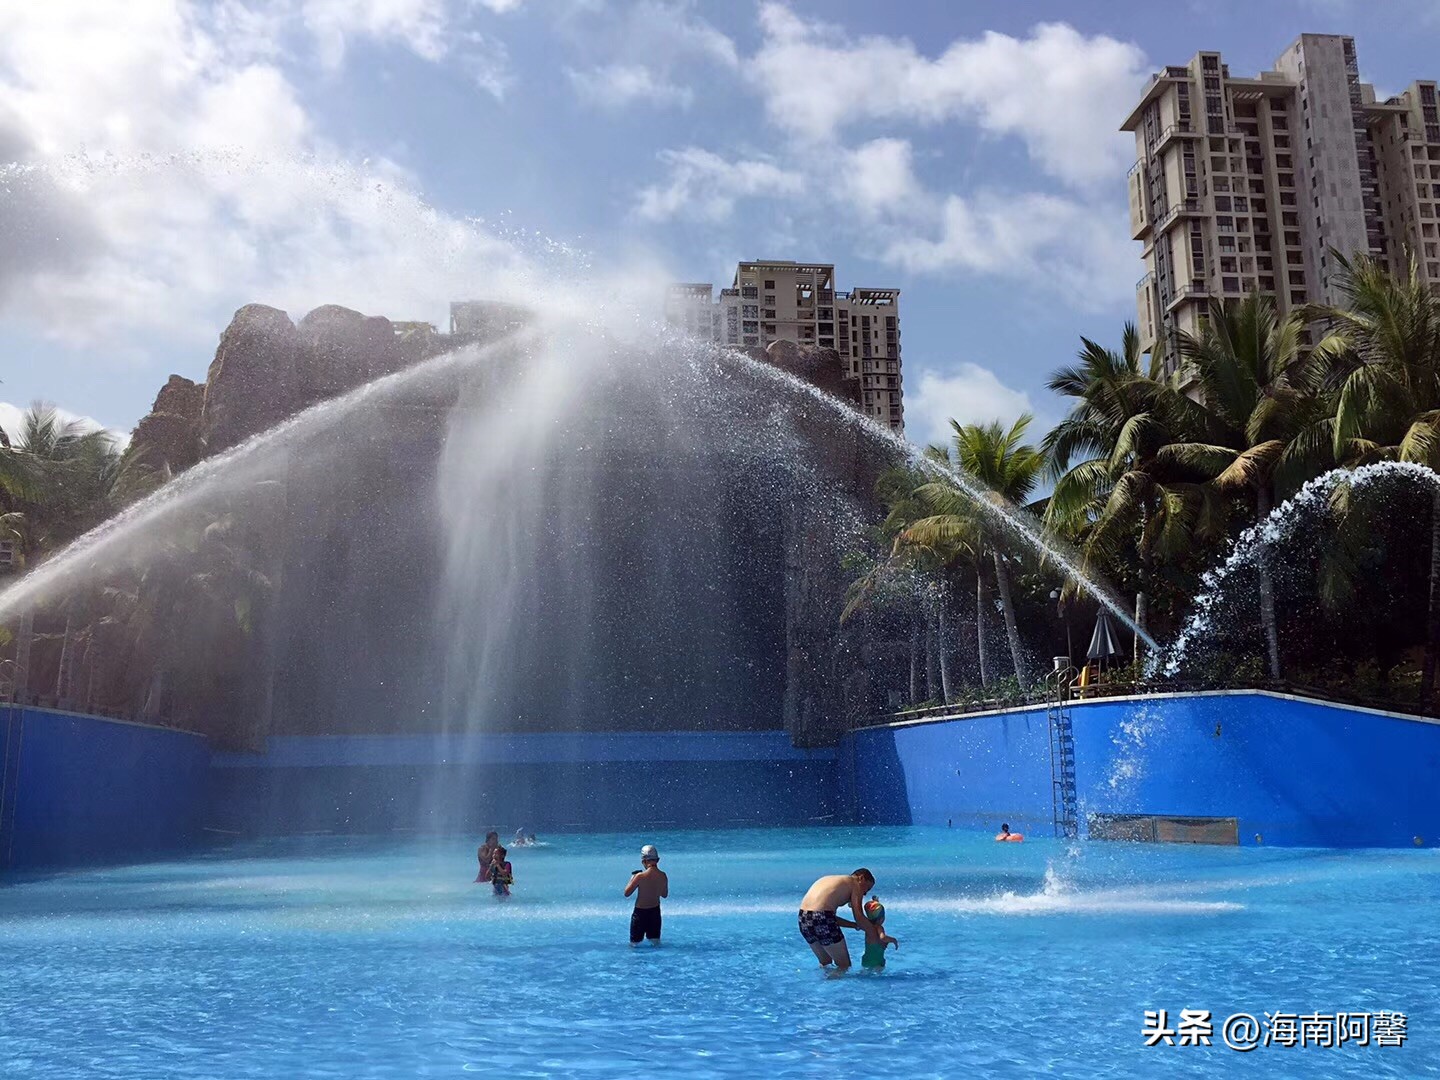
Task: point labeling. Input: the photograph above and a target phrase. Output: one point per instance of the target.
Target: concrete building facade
(1250, 183)
(782, 300)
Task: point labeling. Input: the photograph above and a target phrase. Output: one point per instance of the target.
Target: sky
(164, 162)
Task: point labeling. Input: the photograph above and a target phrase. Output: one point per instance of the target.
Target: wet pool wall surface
(1292, 772)
(81, 789)
(579, 782)
(77, 789)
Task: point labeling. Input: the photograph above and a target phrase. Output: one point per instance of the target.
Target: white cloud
(165, 180)
(704, 186)
(615, 86)
(1057, 90)
(670, 32)
(418, 24)
(1053, 243)
(972, 395)
(878, 178)
(439, 31)
(645, 53)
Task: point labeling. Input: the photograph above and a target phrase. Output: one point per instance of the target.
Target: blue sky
(173, 161)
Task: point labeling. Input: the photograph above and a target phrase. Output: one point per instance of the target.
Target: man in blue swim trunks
(818, 925)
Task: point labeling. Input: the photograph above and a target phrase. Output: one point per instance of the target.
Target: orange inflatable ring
(1009, 838)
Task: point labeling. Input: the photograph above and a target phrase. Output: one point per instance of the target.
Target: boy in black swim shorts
(650, 886)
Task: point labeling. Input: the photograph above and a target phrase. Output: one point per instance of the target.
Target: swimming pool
(329, 958)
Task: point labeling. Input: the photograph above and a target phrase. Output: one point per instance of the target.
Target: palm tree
(56, 479)
(914, 572)
(1115, 495)
(1383, 362)
(1009, 469)
(1254, 427)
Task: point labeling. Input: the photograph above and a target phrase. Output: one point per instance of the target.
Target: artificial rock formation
(168, 438)
(342, 349)
(253, 380)
(266, 369)
(822, 368)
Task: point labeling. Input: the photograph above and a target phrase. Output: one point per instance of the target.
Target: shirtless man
(817, 915)
(650, 886)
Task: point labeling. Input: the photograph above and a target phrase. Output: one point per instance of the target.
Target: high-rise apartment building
(1249, 183)
(782, 300)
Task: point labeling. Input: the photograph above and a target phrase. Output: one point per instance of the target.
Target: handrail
(1043, 694)
(1185, 206)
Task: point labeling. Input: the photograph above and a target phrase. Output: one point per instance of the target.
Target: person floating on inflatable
(876, 939)
(1006, 836)
(501, 875)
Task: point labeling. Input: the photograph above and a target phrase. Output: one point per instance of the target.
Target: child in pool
(876, 940)
(501, 875)
(486, 855)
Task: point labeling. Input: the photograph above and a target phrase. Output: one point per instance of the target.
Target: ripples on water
(326, 958)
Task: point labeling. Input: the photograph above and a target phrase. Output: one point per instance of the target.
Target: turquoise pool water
(332, 959)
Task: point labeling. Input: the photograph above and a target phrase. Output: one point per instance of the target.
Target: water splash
(613, 517)
(1130, 740)
(1257, 542)
(491, 481)
(1011, 519)
(121, 538)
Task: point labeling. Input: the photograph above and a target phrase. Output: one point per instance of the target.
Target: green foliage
(60, 478)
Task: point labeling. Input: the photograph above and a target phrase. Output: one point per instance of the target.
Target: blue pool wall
(1292, 771)
(387, 783)
(81, 789)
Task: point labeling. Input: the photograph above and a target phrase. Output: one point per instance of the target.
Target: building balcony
(1187, 208)
(1196, 290)
(1173, 132)
(1145, 282)
(1139, 221)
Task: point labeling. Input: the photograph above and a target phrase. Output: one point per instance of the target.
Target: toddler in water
(501, 876)
(876, 940)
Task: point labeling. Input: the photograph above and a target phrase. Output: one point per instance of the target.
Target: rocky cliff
(266, 369)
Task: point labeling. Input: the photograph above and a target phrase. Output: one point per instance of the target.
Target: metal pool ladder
(1065, 808)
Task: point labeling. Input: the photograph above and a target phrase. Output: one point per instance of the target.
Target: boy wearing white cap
(650, 886)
